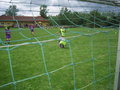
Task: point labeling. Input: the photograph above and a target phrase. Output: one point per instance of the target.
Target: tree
(92, 19)
(64, 16)
(43, 11)
(97, 18)
(11, 11)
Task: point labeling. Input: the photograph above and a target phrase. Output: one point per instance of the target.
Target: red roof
(22, 18)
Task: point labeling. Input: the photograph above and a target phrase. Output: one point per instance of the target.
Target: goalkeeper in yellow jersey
(62, 32)
(62, 42)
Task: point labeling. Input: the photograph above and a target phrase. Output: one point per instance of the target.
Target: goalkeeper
(62, 42)
(62, 32)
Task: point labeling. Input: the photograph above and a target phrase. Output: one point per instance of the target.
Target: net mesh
(37, 63)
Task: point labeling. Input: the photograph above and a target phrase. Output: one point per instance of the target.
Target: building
(22, 21)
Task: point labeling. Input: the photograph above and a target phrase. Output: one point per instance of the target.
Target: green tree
(11, 11)
(64, 16)
(43, 11)
(97, 18)
(92, 19)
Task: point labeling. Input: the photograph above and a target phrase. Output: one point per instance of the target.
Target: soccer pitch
(87, 62)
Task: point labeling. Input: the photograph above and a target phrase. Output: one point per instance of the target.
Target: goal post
(117, 71)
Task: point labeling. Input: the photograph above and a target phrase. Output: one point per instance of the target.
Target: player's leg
(32, 31)
(61, 45)
(8, 39)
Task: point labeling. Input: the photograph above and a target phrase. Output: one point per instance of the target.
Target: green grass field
(87, 62)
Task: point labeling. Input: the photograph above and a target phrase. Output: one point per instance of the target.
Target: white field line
(27, 43)
(40, 41)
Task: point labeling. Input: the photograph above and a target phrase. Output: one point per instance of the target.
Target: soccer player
(62, 42)
(62, 32)
(31, 27)
(8, 34)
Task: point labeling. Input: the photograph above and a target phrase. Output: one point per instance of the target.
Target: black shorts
(32, 30)
(61, 46)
